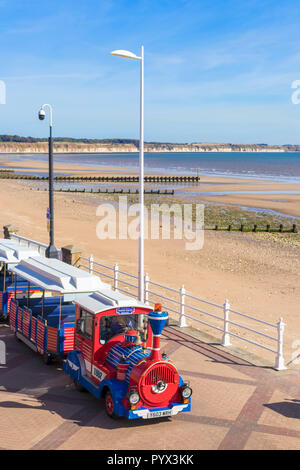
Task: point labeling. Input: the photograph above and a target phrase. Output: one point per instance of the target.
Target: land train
(109, 342)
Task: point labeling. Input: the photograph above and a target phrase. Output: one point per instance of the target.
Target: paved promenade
(235, 405)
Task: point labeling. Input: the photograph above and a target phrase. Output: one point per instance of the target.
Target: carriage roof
(11, 252)
(106, 299)
(55, 275)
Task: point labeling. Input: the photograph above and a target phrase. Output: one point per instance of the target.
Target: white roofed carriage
(11, 253)
(46, 322)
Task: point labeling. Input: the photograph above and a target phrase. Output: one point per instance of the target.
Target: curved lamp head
(126, 54)
(42, 114)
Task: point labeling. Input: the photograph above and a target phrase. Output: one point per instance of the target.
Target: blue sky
(214, 71)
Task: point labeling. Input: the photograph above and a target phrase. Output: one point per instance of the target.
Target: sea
(268, 166)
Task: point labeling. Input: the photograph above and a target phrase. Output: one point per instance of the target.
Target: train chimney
(157, 320)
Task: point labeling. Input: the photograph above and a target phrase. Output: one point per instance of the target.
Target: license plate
(159, 414)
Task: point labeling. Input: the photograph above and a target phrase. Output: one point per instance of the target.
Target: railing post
(91, 264)
(226, 334)
(146, 285)
(116, 275)
(182, 321)
(279, 363)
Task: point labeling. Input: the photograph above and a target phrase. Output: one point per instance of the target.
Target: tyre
(16, 337)
(109, 405)
(79, 387)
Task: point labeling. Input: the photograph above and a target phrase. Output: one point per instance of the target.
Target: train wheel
(109, 405)
(47, 358)
(79, 387)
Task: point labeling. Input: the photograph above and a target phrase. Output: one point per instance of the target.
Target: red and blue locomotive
(117, 357)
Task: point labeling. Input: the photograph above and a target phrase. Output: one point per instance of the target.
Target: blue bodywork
(7, 288)
(137, 354)
(55, 315)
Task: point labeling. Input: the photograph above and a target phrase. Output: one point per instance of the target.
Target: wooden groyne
(131, 179)
(169, 192)
(254, 228)
(105, 179)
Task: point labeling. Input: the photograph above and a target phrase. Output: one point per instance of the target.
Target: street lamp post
(130, 55)
(51, 251)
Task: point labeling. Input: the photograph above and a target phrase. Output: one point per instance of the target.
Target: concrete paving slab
(261, 441)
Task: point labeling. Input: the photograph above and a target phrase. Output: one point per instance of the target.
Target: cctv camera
(42, 115)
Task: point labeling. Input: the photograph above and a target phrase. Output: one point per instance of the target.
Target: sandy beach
(258, 273)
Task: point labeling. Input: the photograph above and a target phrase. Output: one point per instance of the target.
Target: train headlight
(133, 397)
(159, 387)
(186, 391)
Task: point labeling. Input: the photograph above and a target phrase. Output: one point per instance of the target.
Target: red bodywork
(144, 375)
(93, 352)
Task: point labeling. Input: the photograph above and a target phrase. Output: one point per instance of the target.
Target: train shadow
(289, 408)
(47, 388)
(89, 411)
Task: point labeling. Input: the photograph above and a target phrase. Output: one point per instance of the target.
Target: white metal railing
(178, 301)
(28, 242)
(41, 247)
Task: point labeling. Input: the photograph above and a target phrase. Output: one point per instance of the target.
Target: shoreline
(15, 163)
(28, 152)
(287, 203)
(74, 167)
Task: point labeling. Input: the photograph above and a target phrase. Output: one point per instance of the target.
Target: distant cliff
(116, 147)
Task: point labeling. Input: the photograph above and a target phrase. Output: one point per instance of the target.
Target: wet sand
(285, 203)
(288, 204)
